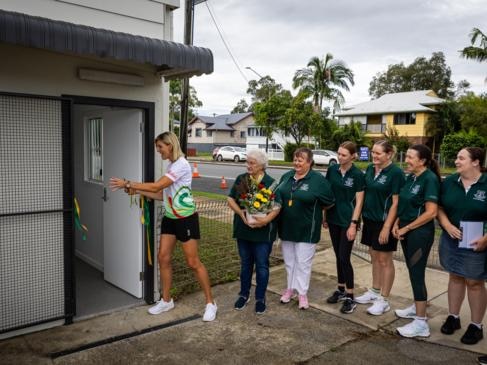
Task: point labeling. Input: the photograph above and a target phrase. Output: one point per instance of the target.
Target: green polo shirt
(415, 193)
(240, 229)
(301, 220)
(459, 205)
(344, 188)
(379, 191)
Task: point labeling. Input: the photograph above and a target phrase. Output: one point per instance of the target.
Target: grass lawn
(205, 194)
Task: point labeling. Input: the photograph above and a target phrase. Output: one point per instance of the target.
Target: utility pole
(188, 39)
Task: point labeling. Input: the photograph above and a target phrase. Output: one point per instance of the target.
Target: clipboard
(471, 231)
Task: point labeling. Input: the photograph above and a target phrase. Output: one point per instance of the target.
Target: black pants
(416, 246)
(343, 249)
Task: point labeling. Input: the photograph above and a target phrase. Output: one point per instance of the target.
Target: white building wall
(140, 17)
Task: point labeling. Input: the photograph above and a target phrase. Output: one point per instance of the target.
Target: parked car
(231, 153)
(325, 157)
(215, 152)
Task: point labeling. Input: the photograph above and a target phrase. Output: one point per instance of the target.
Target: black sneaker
(450, 325)
(260, 307)
(241, 303)
(482, 360)
(348, 306)
(472, 335)
(336, 297)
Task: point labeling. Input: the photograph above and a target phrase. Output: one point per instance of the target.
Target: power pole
(188, 39)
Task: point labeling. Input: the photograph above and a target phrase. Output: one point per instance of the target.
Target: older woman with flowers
(252, 193)
(464, 199)
(303, 193)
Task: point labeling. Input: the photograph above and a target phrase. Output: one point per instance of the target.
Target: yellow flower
(264, 200)
(257, 205)
(259, 196)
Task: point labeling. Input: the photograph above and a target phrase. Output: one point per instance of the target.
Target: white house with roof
(83, 93)
(206, 133)
(408, 112)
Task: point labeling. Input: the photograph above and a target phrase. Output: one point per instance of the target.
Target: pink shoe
(303, 302)
(287, 295)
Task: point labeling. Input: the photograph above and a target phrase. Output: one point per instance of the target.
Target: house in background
(83, 92)
(206, 133)
(408, 112)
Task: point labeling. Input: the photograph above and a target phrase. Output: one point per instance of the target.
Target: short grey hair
(258, 156)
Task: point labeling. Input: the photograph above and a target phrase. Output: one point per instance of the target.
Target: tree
(241, 107)
(473, 113)
(349, 132)
(422, 74)
(175, 101)
(324, 79)
(445, 121)
(268, 113)
(473, 52)
(392, 136)
(452, 143)
(299, 118)
(263, 89)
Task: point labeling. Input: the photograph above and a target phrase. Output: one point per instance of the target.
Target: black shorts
(183, 228)
(370, 237)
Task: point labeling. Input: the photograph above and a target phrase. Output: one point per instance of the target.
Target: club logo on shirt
(304, 187)
(415, 189)
(382, 179)
(348, 182)
(479, 195)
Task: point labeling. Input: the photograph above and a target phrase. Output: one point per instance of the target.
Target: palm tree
(324, 79)
(476, 53)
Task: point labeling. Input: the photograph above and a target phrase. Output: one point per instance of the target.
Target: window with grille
(94, 150)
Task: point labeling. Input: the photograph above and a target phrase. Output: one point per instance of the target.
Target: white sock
(479, 325)
(421, 318)
(454, 315)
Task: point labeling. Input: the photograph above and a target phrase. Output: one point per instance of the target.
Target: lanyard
(294, 186)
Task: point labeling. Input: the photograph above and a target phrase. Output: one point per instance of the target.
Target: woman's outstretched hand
(116, 183)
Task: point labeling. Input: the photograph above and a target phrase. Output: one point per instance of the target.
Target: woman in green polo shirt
(415, 227)
(464, 199)
(254, 244)
(303, 194)
(383, 181)
(347, 183)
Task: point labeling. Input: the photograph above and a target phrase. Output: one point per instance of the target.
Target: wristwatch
(354, 221)
(127, 184)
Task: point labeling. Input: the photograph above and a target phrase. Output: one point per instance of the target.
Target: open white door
(122, 233)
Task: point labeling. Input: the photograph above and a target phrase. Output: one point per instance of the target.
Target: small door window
(94, 150)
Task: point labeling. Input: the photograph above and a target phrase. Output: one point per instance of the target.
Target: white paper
(471, 231)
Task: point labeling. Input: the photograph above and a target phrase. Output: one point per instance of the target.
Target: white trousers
(298, 259)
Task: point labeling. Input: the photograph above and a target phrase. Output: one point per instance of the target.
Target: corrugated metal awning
(170, 59)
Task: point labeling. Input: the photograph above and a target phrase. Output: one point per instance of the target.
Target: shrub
(452, 143)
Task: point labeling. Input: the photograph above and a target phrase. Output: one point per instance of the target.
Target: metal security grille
(33, 215)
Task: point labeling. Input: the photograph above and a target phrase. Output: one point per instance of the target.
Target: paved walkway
(283, 335)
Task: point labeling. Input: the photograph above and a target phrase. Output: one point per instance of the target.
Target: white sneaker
(368, 297)
(409, 312)
(161, 306)
(379, 307)
(210, 312)
(417, 328)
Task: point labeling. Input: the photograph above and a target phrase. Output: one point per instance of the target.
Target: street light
(255, 72)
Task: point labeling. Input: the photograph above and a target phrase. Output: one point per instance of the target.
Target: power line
(225, 43)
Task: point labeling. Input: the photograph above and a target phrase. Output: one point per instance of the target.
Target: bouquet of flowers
(256, 198)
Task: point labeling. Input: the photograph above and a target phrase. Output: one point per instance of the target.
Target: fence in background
(218, 250)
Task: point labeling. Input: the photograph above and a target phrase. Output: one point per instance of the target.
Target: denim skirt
(460, 261)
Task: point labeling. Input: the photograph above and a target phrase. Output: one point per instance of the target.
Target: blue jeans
(254, 253)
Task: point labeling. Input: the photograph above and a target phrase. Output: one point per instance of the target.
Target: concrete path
(283, 335)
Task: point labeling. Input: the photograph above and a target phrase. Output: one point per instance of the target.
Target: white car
(231, 153)
(325, 157)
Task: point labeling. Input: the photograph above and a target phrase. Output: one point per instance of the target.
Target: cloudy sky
(277, 37)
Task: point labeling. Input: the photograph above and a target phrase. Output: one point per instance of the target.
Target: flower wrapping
(255, 197)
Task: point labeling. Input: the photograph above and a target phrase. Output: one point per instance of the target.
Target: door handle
(105, 196)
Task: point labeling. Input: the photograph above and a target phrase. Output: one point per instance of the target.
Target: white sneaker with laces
(409, 312)
(368, 297)
(161, 306)
(210, 312)
(417, 328)
(379, 307)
